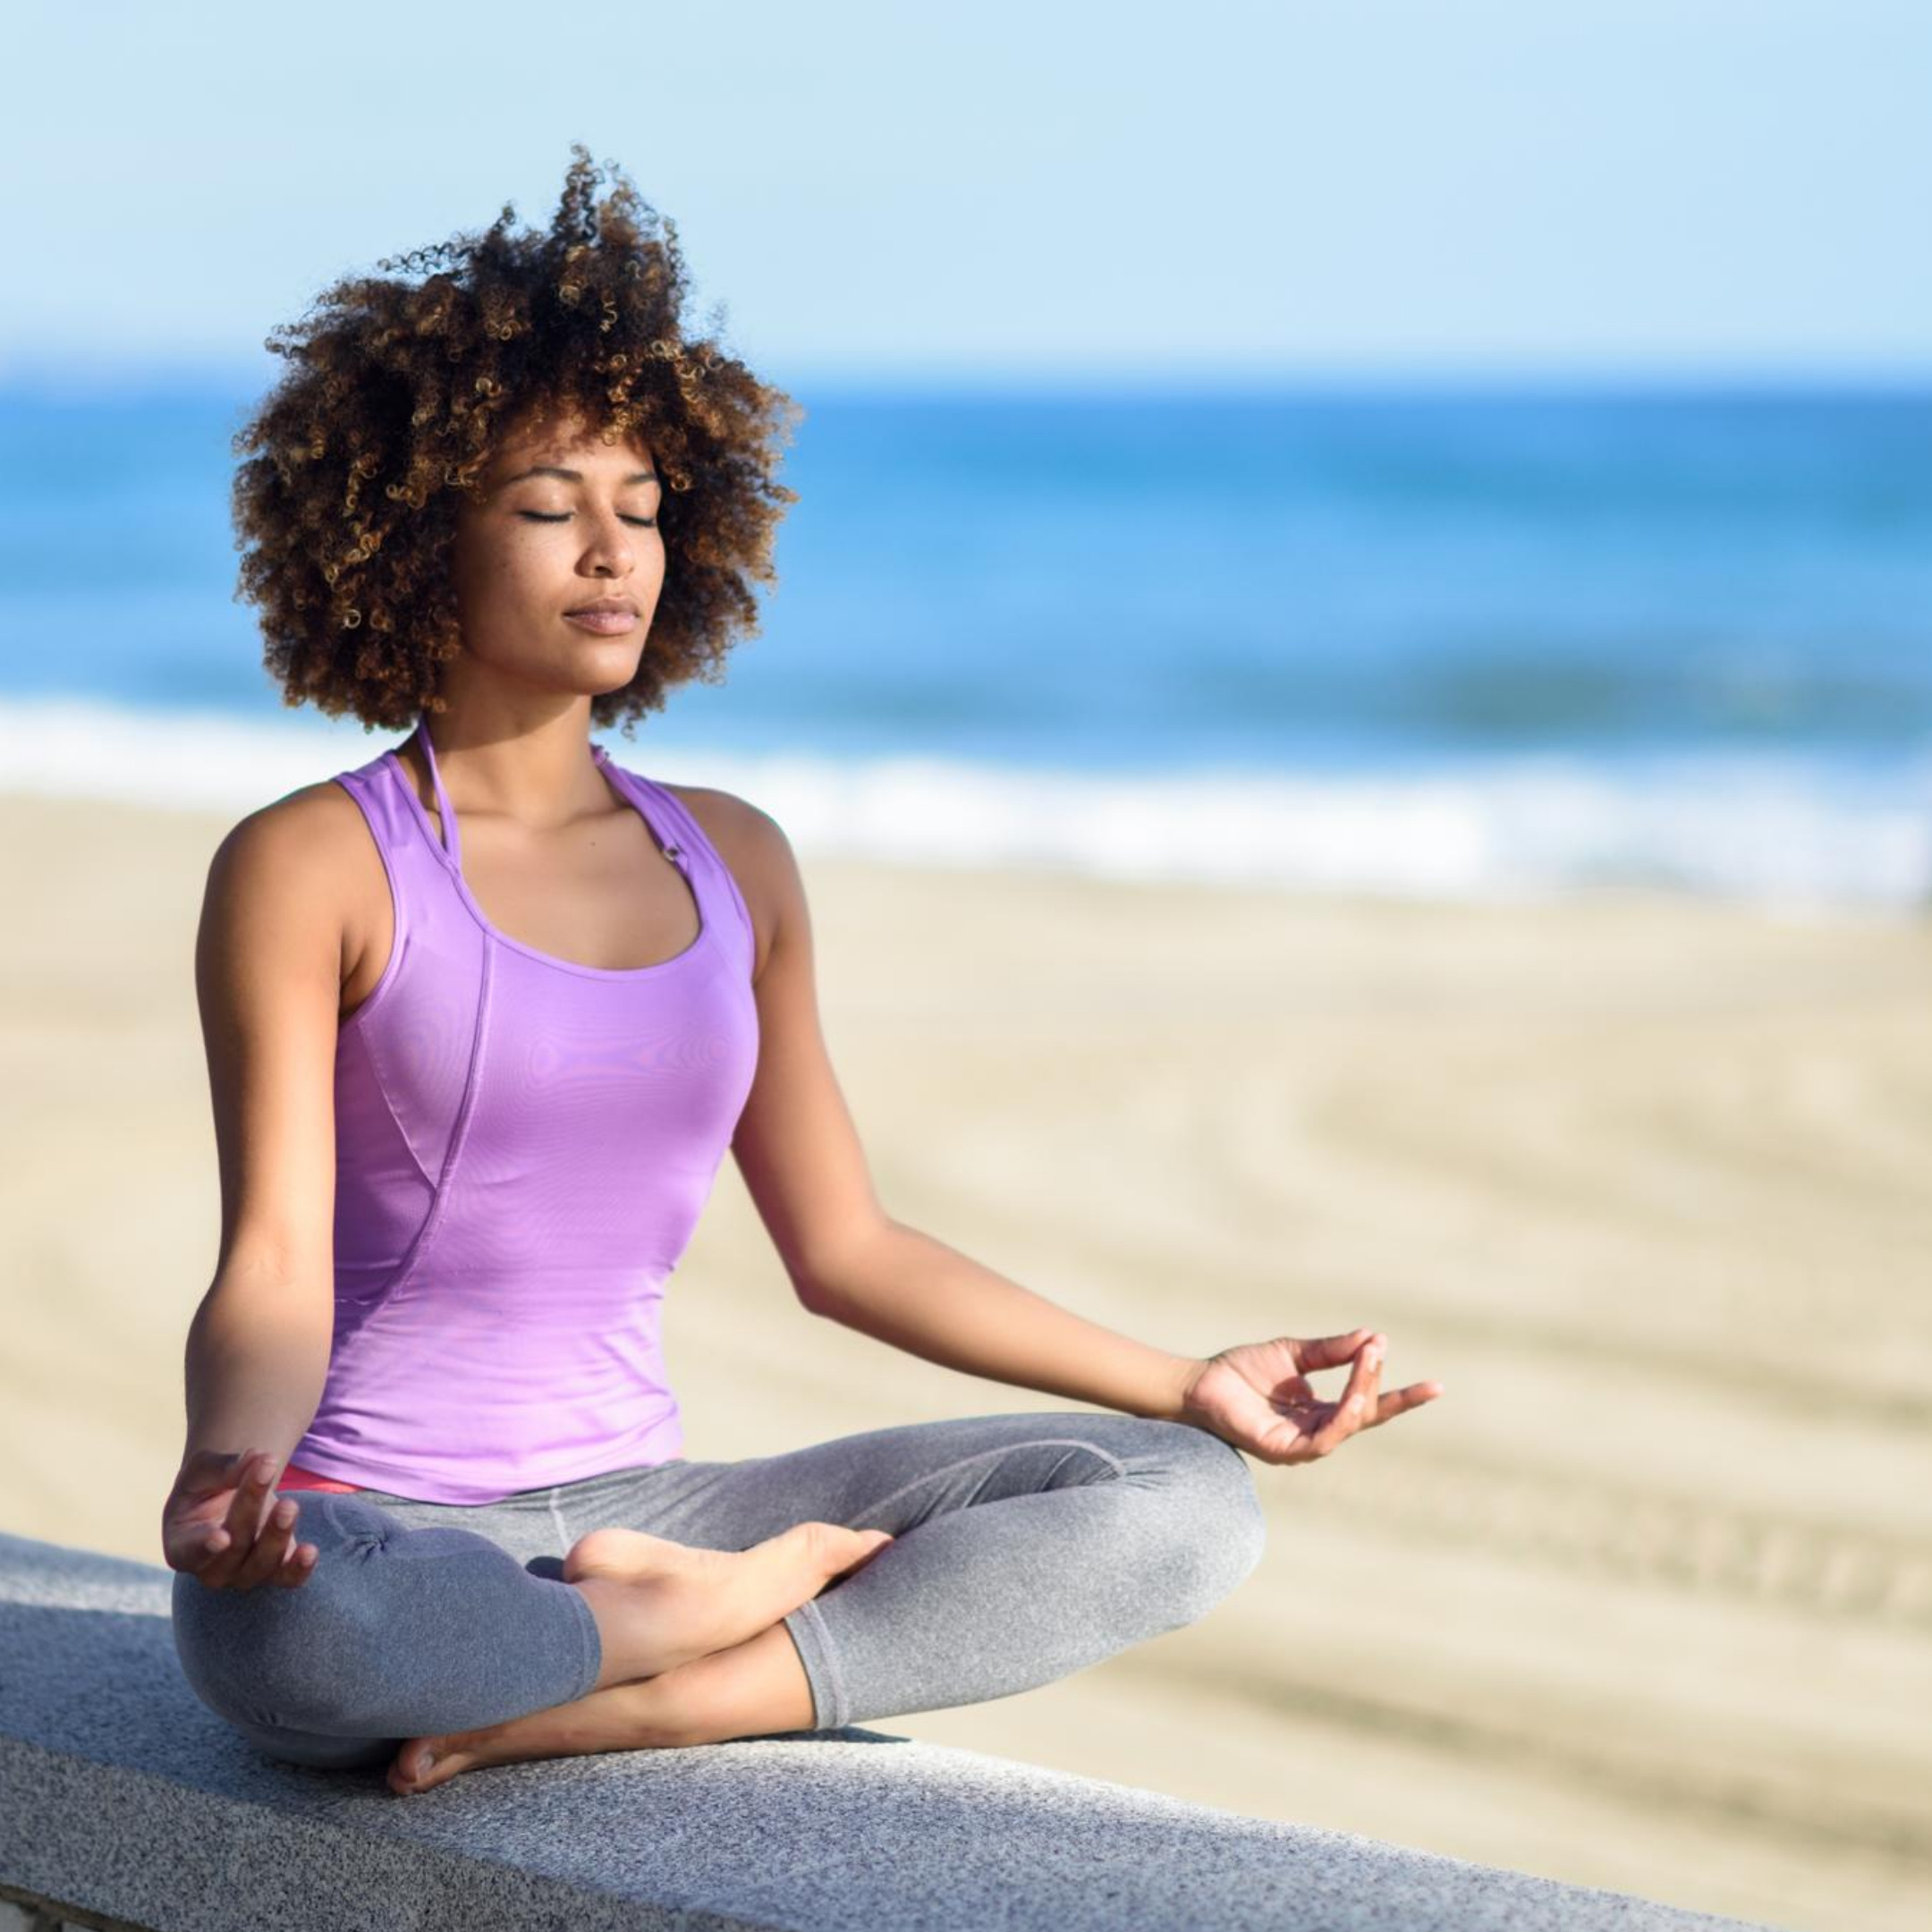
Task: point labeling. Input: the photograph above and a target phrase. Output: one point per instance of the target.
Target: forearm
(911, 1291)
(257, 1359)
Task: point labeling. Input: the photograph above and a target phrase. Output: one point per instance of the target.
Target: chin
(602, 687)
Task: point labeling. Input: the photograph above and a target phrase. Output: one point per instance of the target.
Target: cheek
(496, 556)
(529, 565)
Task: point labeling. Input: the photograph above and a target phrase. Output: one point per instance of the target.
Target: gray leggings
(1027, 1546)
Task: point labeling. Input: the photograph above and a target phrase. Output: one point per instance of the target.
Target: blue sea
(1429, 642)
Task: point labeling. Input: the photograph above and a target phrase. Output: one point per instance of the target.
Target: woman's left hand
(1256, 1395)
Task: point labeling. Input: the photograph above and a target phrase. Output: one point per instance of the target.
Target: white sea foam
(1786, 833)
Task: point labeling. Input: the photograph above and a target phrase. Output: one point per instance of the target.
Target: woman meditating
(483, 1016)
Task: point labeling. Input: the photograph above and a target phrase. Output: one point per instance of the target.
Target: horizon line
(104, 379)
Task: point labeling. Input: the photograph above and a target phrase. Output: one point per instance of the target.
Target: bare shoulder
(310, 829)
(755, 846)
(303, 861)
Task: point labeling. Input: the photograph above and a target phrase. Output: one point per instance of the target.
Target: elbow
(817, 1294)
(827, 1281)
(813, 1302)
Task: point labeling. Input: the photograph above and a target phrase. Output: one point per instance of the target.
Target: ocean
(1427, 642)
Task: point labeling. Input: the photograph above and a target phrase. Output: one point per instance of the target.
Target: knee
(1220, 1529)
(275, 1656)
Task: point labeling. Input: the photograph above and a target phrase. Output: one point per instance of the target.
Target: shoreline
(1787, 829)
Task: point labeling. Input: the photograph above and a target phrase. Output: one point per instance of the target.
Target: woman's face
(564, 520)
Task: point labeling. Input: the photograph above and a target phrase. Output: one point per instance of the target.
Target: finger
(242, 1522)
(263, 1558)
(199, 1547)
(272, 1546)
(1399, 1401)
(1368, 1412)
(250, 1478)
(1364, 1386)
(1328, 1351)
(187, 1545)
(1354, 1402)
(299, 1568)
(208, 1547)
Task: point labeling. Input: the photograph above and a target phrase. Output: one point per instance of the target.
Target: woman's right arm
(269, 976)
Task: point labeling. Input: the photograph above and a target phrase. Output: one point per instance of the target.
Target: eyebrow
(573, 476)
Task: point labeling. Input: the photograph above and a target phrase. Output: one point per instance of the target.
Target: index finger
(1330, 1351)
(242, 1522)
(1357, 1399)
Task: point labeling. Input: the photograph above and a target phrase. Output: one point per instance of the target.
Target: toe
(419, 1764)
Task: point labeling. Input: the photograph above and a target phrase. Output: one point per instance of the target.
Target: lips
(608, 616)
(606, 620)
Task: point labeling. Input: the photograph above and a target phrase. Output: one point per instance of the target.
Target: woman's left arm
(849, 1260)
(911, 1289)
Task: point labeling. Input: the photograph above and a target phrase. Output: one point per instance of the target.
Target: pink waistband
(294, 1477)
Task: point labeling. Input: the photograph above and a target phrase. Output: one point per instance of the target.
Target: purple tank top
(523, 1146)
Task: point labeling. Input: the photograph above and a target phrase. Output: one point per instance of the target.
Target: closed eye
(561, 516)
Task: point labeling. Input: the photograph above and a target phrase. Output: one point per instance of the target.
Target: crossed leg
(1024, 1546)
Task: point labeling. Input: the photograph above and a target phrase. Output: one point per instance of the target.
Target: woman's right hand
(224, 1524)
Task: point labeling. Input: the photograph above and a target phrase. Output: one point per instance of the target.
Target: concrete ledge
(123, 1801)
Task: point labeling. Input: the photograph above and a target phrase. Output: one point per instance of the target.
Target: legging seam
(981, 1455)
(827, 1653)
(590, 1644)
(563, 1530)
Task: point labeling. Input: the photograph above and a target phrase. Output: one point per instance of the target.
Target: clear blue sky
(1203, 189)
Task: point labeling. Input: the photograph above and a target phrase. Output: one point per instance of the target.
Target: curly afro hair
(358, 458)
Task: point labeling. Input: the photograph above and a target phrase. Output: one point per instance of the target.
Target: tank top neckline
(451, 856)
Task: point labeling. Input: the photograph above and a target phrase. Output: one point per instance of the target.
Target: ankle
(614, 1609)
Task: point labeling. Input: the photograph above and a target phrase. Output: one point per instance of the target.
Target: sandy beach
(1644, 1601)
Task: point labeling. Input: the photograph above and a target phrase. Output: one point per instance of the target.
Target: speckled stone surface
(123, 1795)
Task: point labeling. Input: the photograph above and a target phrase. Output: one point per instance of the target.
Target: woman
(483, 1016)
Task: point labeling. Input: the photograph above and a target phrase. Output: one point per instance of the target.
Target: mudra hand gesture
(1256, 1395)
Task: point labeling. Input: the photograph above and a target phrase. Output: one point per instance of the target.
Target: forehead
(565, 440)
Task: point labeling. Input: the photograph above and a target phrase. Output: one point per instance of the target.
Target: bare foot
(752, 1690)
(616, 1719)
(660, 1604)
